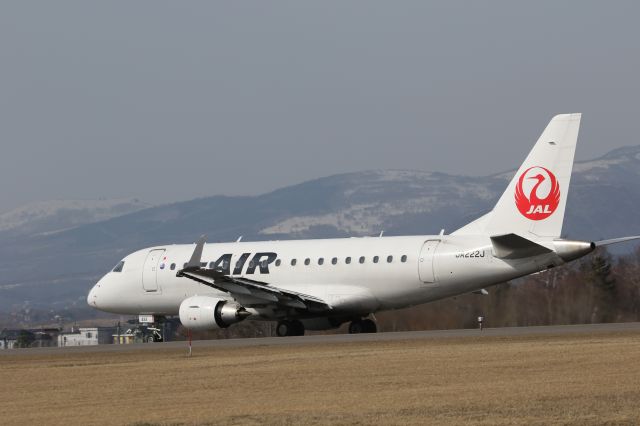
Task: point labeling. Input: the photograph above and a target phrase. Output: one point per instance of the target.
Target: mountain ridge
(59, 215)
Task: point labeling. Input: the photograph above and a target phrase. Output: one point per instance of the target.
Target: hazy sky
(172, 100)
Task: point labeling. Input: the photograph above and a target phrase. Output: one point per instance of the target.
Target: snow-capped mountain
(376, 201)
(57, 215)
(57, 269)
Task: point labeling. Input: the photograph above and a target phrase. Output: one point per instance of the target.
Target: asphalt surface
(338, 338)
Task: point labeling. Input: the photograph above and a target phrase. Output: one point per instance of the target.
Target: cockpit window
(118, 267)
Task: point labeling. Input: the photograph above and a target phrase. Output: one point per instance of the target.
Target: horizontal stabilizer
(512, 246)
(616, 240)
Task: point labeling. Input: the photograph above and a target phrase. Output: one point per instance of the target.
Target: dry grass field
(576, 379)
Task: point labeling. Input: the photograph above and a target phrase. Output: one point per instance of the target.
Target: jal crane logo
(537, 193)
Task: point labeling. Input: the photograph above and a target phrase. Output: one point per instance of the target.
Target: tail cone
(571, 250)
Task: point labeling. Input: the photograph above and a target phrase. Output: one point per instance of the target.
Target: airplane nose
(92, 299)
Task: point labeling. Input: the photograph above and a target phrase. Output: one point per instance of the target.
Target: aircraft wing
(239, 286)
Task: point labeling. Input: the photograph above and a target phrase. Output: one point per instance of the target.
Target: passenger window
(307, 261)
(320, 261)
(375, 259)
(347, 260)
(118, 267)
(361, 259)
(334, 260)
(403, 258)
(389, 259)
(293, 262)
(278, 261)
(173, 266)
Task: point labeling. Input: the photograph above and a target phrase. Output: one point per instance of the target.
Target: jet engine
(206, 313)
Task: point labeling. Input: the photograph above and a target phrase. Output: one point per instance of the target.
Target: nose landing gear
(363, 326)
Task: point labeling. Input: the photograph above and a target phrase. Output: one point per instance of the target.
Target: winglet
(194, 262)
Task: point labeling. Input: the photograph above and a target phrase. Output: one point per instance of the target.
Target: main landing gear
(296, 328)
(290, 328)
(363, 326)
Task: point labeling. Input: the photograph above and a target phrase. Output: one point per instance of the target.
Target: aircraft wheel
(355, 327)
(284, 328)
(298, 328)
(363, 326)
(290, 328)
(369, 326)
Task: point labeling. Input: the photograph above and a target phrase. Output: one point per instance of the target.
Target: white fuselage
(409, 271)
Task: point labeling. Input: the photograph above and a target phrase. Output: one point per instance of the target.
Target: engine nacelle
(207, 313)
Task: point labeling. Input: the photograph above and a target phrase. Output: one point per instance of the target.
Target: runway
(342, 338)
(582, 374)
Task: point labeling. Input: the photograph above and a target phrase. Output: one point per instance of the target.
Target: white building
(87, 336)
(9, 338)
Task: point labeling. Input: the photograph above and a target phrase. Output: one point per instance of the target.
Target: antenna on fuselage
(381, 232)
(239, 239)
(441, 232)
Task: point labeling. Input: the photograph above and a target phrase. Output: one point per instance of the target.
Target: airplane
(323, 283)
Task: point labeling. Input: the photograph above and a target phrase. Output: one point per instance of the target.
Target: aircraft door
(150, 270)
(425, 262)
